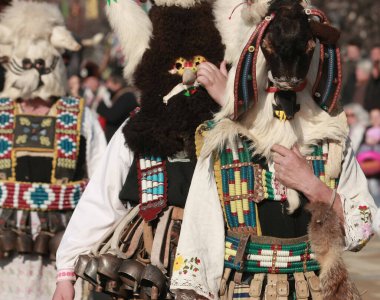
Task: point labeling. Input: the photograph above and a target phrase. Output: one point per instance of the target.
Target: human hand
(64, 291)
(292, 169)
(214, 80)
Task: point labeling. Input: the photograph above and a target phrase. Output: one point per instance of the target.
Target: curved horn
(62, 38)
(134, 29)
(326, 34)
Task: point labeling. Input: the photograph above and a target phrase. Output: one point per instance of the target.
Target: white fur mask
(35, 36)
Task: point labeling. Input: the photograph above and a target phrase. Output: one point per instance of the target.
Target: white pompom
(254, 12)
(293, 200)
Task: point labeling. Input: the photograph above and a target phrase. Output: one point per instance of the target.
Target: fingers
(277, 158)
(297, 151)
(204, 81)
(223, 68)
(281, 150)
(208, 66)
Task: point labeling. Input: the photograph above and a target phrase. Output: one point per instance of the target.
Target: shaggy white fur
(134, 29)
(34, 30)
(181, 3)
(231, 27)
(253, 13)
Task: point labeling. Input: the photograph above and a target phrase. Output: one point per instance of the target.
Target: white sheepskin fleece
(180, 3)
(134, 29)
(37, 31)
(31, 20)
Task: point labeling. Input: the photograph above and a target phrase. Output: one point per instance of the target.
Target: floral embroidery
(365, 213)
(188, 265)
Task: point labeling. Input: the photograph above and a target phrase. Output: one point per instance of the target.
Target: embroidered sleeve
(189, 278)
(358, 204)
(199, 262)
(66, 275)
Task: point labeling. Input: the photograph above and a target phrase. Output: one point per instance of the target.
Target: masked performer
(150, 160)
(279, 143)
(49, 146)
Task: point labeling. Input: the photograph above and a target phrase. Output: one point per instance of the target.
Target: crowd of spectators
(361, 100)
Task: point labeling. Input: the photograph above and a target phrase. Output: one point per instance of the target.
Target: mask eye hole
(197, 60)
(178, 65)
(27, 64)
(39, 63)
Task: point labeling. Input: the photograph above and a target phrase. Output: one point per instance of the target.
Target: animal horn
(62, 38)
(326, 34)
(134, 29)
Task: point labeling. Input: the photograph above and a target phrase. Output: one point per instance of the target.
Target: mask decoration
(31, 50)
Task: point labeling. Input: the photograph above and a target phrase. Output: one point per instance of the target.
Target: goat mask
(328, 82)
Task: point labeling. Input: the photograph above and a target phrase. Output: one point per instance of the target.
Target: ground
(364, 268)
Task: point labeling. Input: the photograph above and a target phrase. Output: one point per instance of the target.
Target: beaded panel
(271, 258)
(67, 137)
(34, 133)
(6, 137)
(243, 182)
(40, 196)
(152, 186)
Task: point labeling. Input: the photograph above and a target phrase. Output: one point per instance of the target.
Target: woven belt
(269, 255)
(40, 196)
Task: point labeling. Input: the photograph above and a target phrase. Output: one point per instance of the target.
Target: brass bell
(109, 265)
(54, 244)
(41, 244)
(24, 243)
(8, 240)
(81, 264)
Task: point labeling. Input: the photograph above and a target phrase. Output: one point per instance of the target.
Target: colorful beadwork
(6, 136)
(319, 160)
(40, 196)
(271, 258)
(152, 185)
(34, 132)
(245, 183)
(41, 133)
(67, 138)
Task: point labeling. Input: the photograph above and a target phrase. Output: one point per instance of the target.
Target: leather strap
(270, 289)
(302, 290)
(256, 286)
(160, 239)
(282, 287)
(25, 220)
(148, 237)
(240, 252)
(135, 241)
(231, 288)
(314, 285)
(6, 219)
(224, 280)
(55, 222)
(43, 217)
(167, 245)
(177, 214)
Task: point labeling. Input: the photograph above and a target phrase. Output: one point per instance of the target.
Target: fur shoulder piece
(134, 29)
(31, 20)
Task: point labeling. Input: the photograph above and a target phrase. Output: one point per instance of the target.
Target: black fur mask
(160, 129)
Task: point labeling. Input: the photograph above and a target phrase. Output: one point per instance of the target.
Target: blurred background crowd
(95, 73)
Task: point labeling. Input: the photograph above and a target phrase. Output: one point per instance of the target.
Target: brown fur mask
(160, 129)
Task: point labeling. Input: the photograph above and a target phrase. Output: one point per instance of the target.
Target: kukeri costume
(45, 160)
(150, 161)
(251, 236)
